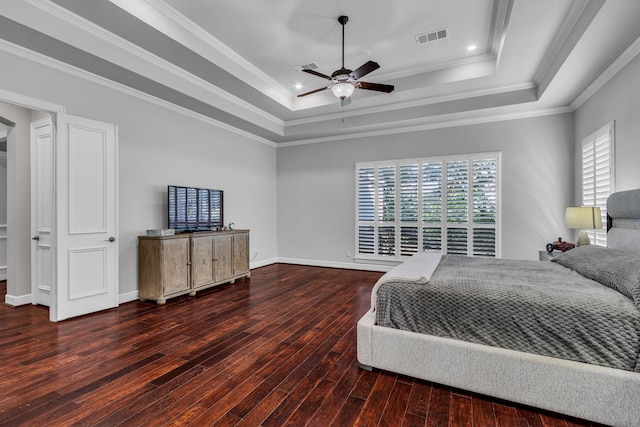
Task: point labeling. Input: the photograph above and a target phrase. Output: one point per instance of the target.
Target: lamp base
(583, 239)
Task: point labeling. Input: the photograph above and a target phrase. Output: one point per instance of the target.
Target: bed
(594, 375)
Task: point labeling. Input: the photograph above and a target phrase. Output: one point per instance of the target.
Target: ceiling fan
(345, 81)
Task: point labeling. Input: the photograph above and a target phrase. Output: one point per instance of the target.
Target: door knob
(111, 239)
(36, 238)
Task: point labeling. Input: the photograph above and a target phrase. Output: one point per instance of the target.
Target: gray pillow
(615, 268)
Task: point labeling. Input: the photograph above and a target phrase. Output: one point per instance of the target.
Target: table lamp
(583, 218)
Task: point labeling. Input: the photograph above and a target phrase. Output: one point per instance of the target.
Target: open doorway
(4, 131)
(16, 121)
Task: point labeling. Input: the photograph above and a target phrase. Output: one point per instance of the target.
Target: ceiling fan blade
(315, 73)
(345, 101)
(313, 91)
(375, 86)
(364, 69)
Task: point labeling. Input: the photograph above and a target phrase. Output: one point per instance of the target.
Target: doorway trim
(14, 241)
(30, 103)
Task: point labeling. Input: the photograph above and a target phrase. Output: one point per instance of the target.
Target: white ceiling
(234, 61)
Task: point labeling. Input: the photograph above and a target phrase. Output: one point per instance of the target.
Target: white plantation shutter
(432, 206)
(409, 208)
(366, 210)
(386, 198)
(457, 206)
(485, 199)
(447, 205)
(597, 175)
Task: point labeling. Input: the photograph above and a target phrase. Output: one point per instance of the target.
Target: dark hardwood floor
(276, 350)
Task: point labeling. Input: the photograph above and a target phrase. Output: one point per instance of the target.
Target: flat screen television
(193, 209)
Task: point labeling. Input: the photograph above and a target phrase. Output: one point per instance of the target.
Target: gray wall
(316, 189)
(3, 206)
(617, 100)
(157, 147)
(18, 201)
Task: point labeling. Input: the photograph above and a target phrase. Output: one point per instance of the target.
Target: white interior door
(86, 217)
(42, 169)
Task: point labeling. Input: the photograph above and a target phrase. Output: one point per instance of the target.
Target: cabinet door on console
(223, 256)
(175, 264)
(202, 260)
(240, 253)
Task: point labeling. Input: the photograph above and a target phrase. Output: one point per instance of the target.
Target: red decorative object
(560, 245)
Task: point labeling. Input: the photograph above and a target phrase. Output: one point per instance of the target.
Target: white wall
(158, 147)
(619, 101)
(316, 190)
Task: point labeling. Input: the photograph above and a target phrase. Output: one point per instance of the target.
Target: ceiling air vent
(432, 36)
(309, 66)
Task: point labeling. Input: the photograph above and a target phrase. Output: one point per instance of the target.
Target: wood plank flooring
(276, 350)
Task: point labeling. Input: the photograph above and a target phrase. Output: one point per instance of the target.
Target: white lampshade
(583, 218)
(342, 90)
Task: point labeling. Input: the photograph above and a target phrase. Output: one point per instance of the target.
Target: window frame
(598, 237)
(444, 224)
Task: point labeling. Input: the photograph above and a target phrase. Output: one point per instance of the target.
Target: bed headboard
(623, 225)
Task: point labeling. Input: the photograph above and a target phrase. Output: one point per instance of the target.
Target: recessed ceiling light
(298, 86)
(471, 47)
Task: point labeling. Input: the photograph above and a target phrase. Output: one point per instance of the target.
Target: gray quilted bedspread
(531, 306)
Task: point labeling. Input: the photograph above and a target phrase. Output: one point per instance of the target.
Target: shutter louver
(432, 239)
(387, 196)
(366, 239)
(387, 240)
(457, 241)
(432, 192)
(409, 204)
(366, 194)
(408, 240)
(484, 242)
(484, 191)
(457, 197)
(409, 193)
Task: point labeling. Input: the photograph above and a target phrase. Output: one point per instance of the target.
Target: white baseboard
(26, 299)
(263, 263)
(127, 297)
(334, 264)
(15, 301)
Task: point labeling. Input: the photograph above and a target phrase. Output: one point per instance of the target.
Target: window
(445, 204)
(597, 175)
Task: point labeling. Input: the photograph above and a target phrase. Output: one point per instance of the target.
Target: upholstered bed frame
(596, 393)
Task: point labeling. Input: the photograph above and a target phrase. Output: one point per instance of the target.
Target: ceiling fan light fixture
(342, 90)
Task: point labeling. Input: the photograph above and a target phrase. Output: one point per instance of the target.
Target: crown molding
(410, 104)
(415, 71)
(26, 101)
(627, 56)
(444, 121)
(569, 23)
(47, 61)
(501, 17)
